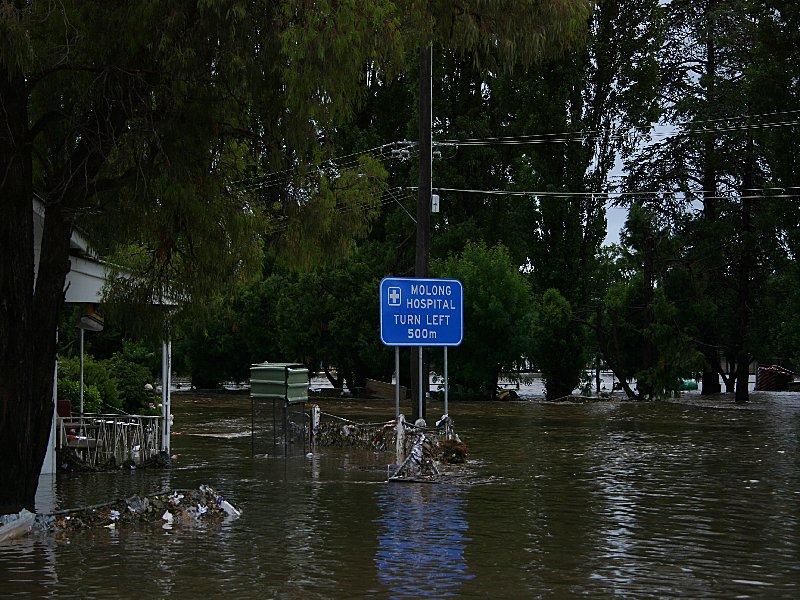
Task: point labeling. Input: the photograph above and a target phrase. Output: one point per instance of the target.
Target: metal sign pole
(397, 381)
(446, 382)
(421, 415)
(286, 411)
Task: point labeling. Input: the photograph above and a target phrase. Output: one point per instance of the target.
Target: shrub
(497, 301)
(69, 389)
(117, 383)
(96, 374)
(131, 379)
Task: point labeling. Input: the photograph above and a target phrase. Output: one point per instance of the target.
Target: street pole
(419, 368)
(80, 391)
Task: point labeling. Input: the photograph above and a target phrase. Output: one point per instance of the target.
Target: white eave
(85, 281)
(87, 275)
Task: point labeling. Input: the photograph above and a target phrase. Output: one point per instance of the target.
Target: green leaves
(325, 217)
(497, 306)
(559, 344)
(16, 50)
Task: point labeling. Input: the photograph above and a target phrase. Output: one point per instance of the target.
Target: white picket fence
(111, 440)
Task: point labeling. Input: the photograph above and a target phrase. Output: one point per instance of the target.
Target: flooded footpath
(694, 498)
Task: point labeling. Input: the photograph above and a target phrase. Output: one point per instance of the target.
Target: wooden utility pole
(423, 213)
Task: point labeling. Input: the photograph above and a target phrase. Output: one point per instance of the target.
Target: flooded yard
(692, 498)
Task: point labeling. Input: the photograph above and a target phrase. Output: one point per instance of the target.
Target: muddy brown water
(692, 499)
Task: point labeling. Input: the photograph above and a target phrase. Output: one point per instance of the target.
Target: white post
(169, 395)
(49, 464)
(446, 383)
(315, 418)
(400, 440)
(81, 376)
(164, 402)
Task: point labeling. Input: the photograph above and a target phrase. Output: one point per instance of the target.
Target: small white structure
(84, 284)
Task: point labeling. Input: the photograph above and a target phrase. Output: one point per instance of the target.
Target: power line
(399, 150)
(392, 195)
(581, 136)
(286, 177)
(655, 193)
(740, 117)
(404, 149)
(685, 127)
(398, 194)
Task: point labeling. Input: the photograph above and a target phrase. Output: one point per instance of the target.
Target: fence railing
(111, 440)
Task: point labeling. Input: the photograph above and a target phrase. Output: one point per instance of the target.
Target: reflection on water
(421, 540)
(694, 499)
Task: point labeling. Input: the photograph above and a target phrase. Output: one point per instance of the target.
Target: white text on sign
(418, 320)
(421, 311)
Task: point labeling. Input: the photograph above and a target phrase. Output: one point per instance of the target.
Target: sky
(615, 218)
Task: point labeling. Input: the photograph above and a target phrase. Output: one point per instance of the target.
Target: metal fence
(109, 441)
(278, 427)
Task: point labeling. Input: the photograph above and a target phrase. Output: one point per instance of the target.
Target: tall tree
(549, 128)
(638, 326)
(610, 85)
(127, 120)
(710, 174)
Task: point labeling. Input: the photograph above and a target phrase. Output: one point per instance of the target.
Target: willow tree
(133, 121)
(128, 121)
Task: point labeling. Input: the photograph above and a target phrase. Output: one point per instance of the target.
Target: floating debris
(71, 461)
(575, 399)
(16, 525)
(453, 452)
(182, 508)
(423, 449)
(418, 448)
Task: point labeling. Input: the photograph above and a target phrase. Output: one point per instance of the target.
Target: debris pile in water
(453, 452)
(16, 525)
(441, 444)
(181, 507)
(423, 449)
(169, 510)
(369, 436)
(71, 461)
(418, 447)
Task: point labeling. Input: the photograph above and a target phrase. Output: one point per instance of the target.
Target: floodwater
(698, 498)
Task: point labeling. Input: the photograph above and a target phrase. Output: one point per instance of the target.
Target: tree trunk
(729, 379)
(16, 290)
(743, 378)
(29, 308)
(710, 382)
(337, 381)
(609, 348)
(556, 389)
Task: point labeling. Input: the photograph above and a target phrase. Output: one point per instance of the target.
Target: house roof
(88, 273)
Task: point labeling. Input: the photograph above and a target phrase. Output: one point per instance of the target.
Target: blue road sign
(422, 312)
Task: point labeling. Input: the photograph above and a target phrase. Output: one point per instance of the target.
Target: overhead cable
(655, 193)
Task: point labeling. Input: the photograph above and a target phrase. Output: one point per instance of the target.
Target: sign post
(421, 312)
